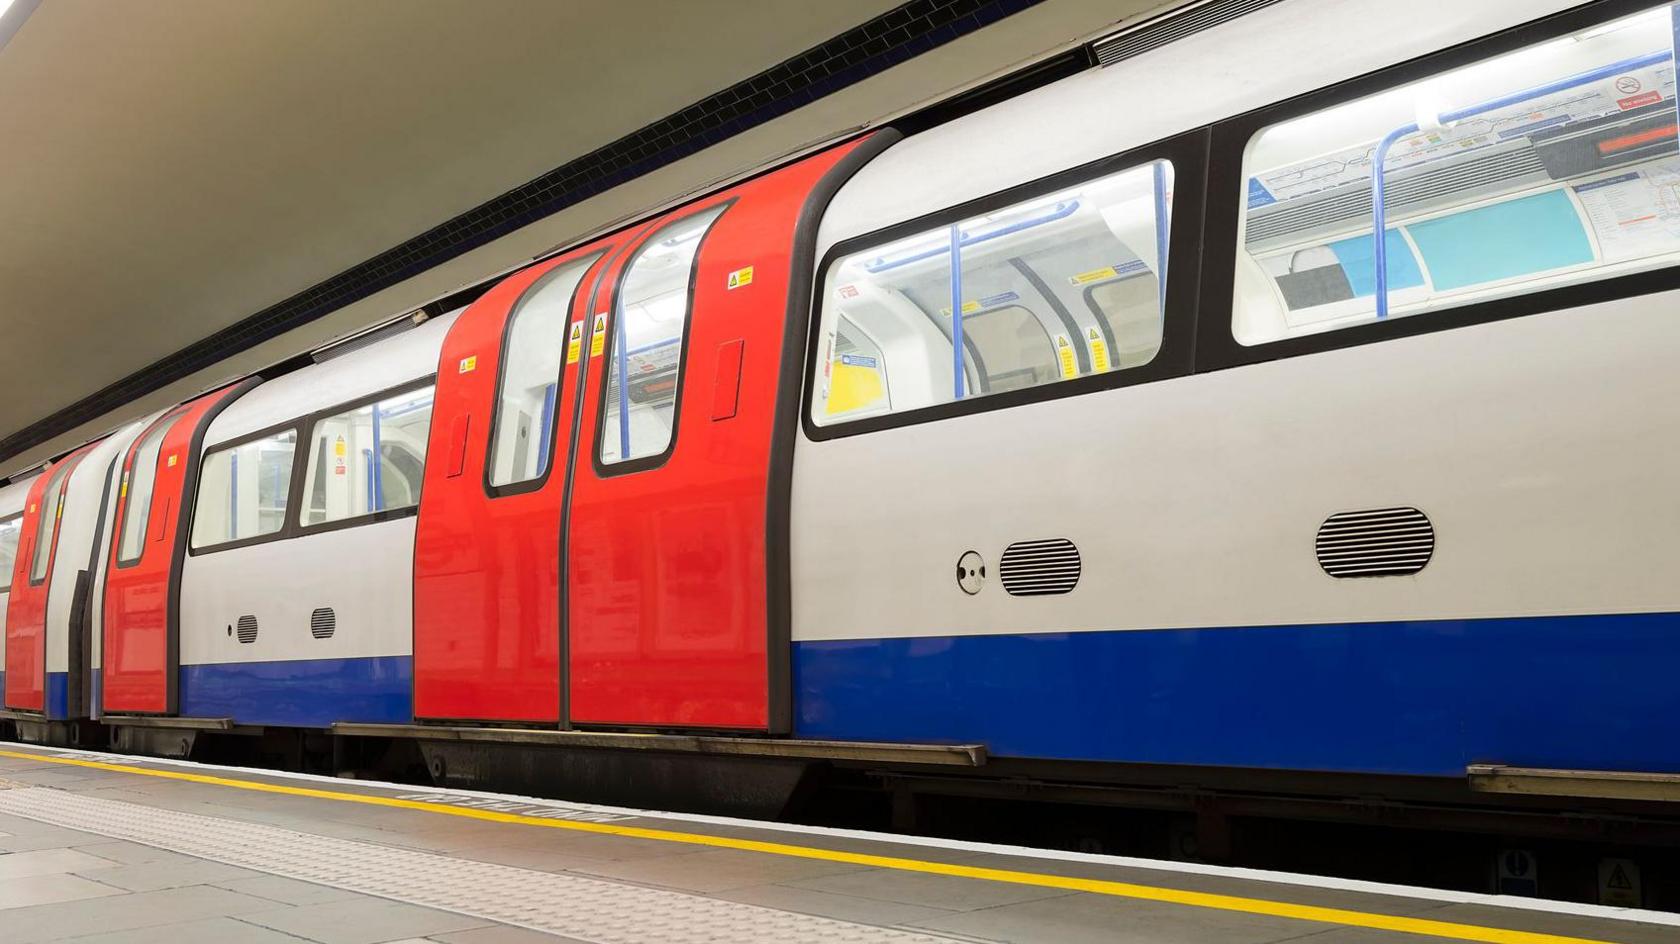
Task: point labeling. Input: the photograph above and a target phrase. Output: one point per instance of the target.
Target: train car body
(1096, 425)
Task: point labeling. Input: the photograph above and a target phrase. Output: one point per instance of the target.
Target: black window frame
(591, 272)
(304, 426)
(606, 470)
(126, 504)
(1187, 153)
(1216, 345)
(6, 584)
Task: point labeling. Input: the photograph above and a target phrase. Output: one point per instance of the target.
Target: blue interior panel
(1505, 240)
(1360, 263)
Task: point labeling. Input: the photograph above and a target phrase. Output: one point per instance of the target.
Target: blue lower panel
(58, 695)
(1595, 692)
(311, 693)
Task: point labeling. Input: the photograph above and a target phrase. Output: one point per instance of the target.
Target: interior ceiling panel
(175, 168)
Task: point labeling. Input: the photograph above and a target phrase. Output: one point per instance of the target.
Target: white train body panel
(80, 534)
(363, 574)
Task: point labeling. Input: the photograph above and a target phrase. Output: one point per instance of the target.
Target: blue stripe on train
(58, 695)
(1427, 697)
(310, 693)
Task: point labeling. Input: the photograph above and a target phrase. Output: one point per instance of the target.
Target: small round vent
(323, 622)
(1038, 568)
(1382, 542)
(246, 629)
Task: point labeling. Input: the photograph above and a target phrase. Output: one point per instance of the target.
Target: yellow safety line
(1259, 906)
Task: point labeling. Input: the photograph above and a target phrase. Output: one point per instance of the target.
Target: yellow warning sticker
(1095, 275)
(32, 507)
(122, 491)
(740, 278)
(969, 308)
(1065, 357)
(598, 335)
(338, 447)
(172, 460)
(468, 364)
(1099, 350)
(574, 342)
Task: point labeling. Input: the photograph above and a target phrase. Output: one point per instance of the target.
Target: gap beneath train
(1430, 832)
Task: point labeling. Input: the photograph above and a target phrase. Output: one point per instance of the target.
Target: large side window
(1547, 166)
(651, 313)
(243, 490)
(521, 440)
(367, 459)
(46, 527)
(10, 530)
(1048, 289)
(137, 493)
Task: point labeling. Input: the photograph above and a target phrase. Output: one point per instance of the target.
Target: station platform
(106, 849)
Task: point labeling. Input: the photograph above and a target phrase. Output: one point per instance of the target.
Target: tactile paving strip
(582, 908)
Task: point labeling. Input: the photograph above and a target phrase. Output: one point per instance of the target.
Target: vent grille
(1383, 542)
(1038, 568)
(246, 629)
(1171, 27)
(323, 622)
(1351, 201)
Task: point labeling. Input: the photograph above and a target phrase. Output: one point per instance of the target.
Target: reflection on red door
(667, 571)
(26, 616)
(141, 646)
(486, 558)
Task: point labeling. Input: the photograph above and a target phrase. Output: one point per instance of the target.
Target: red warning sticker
(1635, 101)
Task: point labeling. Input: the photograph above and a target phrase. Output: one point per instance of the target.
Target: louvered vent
(1153, 34)
(323, 622)
(1384, 542)
(246, 629)
(1351, 201)
(1037, 568)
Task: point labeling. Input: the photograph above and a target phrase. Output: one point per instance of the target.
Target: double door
(592, 538)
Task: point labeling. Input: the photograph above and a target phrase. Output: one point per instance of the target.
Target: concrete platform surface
(104, 849)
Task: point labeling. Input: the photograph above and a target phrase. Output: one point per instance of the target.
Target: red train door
(487, 543)
(26, 614)
(141, 645)
(667, 569)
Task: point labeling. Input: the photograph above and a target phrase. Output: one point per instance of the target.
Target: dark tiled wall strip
(873, 47)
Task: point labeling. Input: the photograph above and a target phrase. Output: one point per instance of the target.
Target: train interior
(1052, 288)
(651, 311)
(1552, 164)
(367, 459)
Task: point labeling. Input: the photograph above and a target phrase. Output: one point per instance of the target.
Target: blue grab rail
(1161, 224)
(956, 310)
(1379, 214)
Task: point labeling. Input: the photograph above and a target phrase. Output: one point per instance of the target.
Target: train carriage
(1237, 405)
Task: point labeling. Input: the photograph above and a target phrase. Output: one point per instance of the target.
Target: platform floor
(103, 849)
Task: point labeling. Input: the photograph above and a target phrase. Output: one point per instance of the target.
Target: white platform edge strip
(1641, 915)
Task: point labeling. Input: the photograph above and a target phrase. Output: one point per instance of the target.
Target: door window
(645, 357)
(47, 527)
(521, 439)
(137, 493)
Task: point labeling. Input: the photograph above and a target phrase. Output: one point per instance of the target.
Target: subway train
(1244, 406)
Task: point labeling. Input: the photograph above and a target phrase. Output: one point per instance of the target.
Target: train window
(243, 490)
(10, 530)
(137, 493)
(521, 438)
(1044, 290)
(46, 527)
(367, 459)
(650, 315)
(1547, 166)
